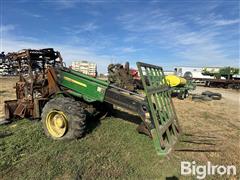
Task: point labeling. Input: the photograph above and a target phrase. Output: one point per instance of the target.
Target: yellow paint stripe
(74, 81)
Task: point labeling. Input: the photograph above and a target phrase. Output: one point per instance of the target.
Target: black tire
(201, 98)
(214, 96)
(206, 98)
(186, 94)
(75, 116)
(207, 93)
(196, 97)
(181, 95)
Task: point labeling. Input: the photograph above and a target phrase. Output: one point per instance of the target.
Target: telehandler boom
(63, 98)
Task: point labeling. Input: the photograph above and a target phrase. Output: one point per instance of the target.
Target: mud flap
(165, 129)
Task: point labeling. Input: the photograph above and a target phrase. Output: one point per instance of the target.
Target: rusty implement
(37, 81)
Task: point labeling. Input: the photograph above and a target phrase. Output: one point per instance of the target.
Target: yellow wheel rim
(56, 123)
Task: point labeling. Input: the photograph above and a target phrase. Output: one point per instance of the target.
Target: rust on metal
(52, 81)
(37, 80)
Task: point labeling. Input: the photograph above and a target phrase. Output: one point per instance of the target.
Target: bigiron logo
(201, 171)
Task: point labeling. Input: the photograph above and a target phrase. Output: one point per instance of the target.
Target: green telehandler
(63, 98)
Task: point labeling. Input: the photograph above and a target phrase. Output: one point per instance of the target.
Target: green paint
(165, 127)
(80, 85)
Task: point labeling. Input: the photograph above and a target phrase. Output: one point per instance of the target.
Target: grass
(112, 150)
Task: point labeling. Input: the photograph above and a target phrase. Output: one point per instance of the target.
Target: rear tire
(72, 115)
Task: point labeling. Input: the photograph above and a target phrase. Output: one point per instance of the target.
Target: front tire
(63, 118)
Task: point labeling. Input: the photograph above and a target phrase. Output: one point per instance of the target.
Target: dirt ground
(7, 91)
(216, 123)
(211, 129)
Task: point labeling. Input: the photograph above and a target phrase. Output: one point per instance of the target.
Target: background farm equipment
(65, 99)
(128, 78)
(125, 77)
(180, 87)
(121, 76)
(225, 72)
(226, 77)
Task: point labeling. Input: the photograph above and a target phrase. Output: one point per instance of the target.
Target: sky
(166, 33)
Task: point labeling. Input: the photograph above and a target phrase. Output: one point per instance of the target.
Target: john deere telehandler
(63, 98)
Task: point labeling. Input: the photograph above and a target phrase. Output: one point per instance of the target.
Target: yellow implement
(174, 80)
